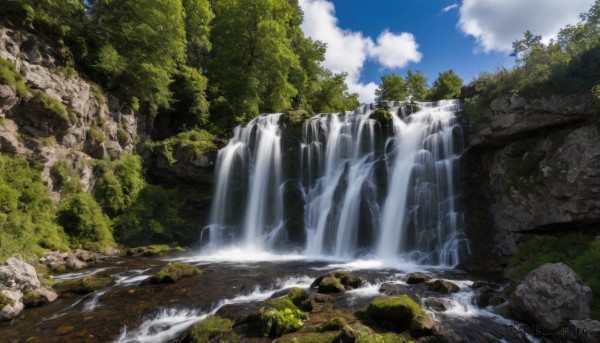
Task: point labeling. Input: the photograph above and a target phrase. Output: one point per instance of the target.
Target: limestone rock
(551, 295)
(18, 274)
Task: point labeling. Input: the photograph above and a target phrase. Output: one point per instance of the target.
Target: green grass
(67, 180)
(51, 105)
(10, 76)
(96, 134)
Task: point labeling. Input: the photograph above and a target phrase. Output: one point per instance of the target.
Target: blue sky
(368, 39)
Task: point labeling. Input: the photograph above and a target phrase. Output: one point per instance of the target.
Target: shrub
(199, 141)
(83, 220)
(119, 183)
(96, 134)
(51, 105)
(66, 178)
(122, 136)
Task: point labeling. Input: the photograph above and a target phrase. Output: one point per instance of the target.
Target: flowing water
(380, 188)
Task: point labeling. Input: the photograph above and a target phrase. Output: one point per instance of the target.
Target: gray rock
(551, 295)
(585, 331)
(39, 297)
(74, 263)
(18, 274)
(14, 308)
(437, 304)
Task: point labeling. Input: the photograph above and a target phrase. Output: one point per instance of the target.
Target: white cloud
(497, 23)
(449, 7)
(347, 51)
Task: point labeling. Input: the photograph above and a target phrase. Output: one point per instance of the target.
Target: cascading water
(372, 186)
(249, 168)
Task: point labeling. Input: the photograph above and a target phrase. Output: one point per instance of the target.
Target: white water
(384, 192)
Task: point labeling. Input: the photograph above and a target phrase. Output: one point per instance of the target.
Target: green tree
(332, 94)
(416, 84)
(84, 222)
(446, 86)
(392, 88)
(142, 42)
(197, 17)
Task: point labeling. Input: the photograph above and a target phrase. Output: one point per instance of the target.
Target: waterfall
(385, 188)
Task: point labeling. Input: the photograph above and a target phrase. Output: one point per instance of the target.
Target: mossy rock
(381, 115)
(296, 117)
(335, 324)
(300, 298)
(4, 301)
(417, 278)
(175, 271)
(84, 285)
(443, 287)
(213, 329)
(336, 282)
(394, 312)
(310, 337)
(280, 316)
(421, 326)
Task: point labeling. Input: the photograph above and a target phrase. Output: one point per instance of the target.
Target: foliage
(332, 94)
(191, 107)
(446, 86)
(67, 180)
(27, 213)
(279, 316)
(207, 329)
(83, 220)
(122, 136)
(199, 141)
(96, 134)
(10, 76)
(174, 271)
(575, 250)
(118, 183)
(416, 84)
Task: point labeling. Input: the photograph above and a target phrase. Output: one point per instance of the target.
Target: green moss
(97, 93)
(119, 183)
(10, 76)
(383, 303)
(4, 301)
(210, 328)
(310, 337)
(198, 141)
(96, 134)
(297, 116)
(175, 271)
(84, 284)
(381, 115)
(300, 298)
(279, 316)
(335, 324)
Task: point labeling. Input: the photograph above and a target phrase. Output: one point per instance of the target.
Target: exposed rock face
(15, 306)
(551, 295)
(531, 166)
(18, 274)
(52, 137)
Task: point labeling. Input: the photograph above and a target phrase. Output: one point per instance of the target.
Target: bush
(67, 180)
(199, 141)
(10, 76)
(118, 183)
(96, 134)
(52, 106)
(83, 220)
(122, 136)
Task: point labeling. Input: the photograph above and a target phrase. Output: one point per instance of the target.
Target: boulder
(11, 304)
(394, 312)
(585, 331)
(74, 263)
(278, 317)
(437, 304)
(18, 274)
(336, 282)
(422, 326)
(416, 278)
(39, 297)
(212, 329)
(443, 286)
(83, 285)
(551, 295)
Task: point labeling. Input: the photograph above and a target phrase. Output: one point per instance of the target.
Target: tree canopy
(446, 86)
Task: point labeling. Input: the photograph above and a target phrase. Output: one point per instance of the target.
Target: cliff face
(92, 125)
(532, 167)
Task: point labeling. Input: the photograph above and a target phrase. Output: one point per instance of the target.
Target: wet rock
(279, 316)
(437, 304)
(64, 329)
(15, 273)
(443, 287)
(39, 297)
(336, 282)
(551, 295)
(335, 324)
(83, 285)
(395, 312)
(239, 314)
(422, 326)
(484, 285)
(300, 298)
(11, 304)
(585, 331)
(416, 278)
(111, 252)
(74, 263)
(399, 289)
(321, 298)
(212, 329)
(175, 271)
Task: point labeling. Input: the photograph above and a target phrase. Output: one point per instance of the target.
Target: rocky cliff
(533, 166)
(63, 116)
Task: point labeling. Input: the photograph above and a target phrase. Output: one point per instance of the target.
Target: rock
(416, 278)
(111, 252)
(18, 274)
(86, 256)
(551, 295)
(437, 304)
(55, 260)
(443, 286)
(239, 314)
(336, 282)
(484, 285)
(335, 324)
(175, 271)
(279, 316)
(422, 326)
(83, 285)
(64, 329)
(300, 298)
(395, 312)
(212, 329)
(39, 297)
(11, 304)
(585, 331)
(321, 298)
(74, 263)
